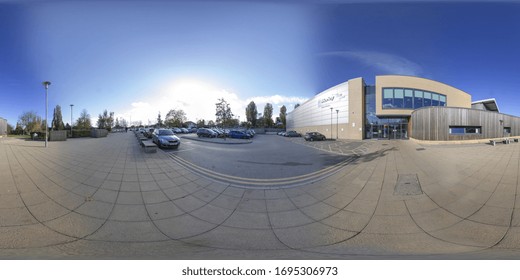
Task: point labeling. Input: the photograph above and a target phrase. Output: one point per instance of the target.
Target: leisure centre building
(401, 107)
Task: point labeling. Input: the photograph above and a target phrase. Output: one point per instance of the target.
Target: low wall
(97, 133)
(58, 135)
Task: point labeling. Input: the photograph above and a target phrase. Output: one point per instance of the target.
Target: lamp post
(46, 84)
(71, 105)
(337, 123)
(331, 122)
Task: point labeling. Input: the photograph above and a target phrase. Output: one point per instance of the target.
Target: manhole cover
(420, 149)
(407, 184)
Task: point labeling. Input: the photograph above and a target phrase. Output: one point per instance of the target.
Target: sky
(141, 58)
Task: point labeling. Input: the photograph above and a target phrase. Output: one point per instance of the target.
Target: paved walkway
(105, 198)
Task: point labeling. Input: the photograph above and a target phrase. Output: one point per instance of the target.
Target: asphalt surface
(267, 157)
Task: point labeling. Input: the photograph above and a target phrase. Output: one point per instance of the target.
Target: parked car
(176, 130)
(148, 132)
(292, 134)
(185, 130)
(314, 136)
(165, 138)
(250, 132)
(206, 132)
(238, 134)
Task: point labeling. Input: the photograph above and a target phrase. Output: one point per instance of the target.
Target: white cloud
(198, 100)
(388, 63)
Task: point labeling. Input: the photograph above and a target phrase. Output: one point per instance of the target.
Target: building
(3, 127)
(401, 107)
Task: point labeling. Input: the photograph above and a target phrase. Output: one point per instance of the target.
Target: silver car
(165, 138)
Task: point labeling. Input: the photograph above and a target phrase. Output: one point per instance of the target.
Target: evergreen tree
(251, 113)
(57, 119)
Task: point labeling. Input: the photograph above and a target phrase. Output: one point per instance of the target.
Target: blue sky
(137, 58)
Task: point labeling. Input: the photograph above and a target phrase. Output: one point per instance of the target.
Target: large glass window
(388, 96)
(397, 98)
(427, 99)
(418, 99)
(442, 100)
(435, 99)
(408, 98)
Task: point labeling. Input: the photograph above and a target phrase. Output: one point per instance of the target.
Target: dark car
(292, 134)
(205, 132)
(165, 138)
(314, 136)
(238, 134)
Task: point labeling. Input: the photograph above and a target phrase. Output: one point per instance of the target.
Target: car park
(314, 136)
(184, 130)
(292, 134)
(165, 138)
(238, 134)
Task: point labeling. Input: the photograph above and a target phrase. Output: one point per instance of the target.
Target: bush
(80, 133)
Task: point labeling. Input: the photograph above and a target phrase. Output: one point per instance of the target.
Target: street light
(331, 122)
(337, 124)
(71, 105)
(46, 84)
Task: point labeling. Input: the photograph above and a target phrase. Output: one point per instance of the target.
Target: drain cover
(420, 149)
(407, 184)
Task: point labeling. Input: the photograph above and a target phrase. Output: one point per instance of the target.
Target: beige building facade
(354, 110)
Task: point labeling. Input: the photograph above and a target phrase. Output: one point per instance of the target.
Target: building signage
(326, 101)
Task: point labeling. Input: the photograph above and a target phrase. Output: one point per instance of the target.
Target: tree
(251, 113)
(57, 119)
(211, 123)
(175, 118)
(30, 122)
(296, 105)
(268, 115)
(283, 115)
(83, 122)
(18, 130)
(10, 129)
(159, 120)
(201, 123)
(223, 114)
(106, 120)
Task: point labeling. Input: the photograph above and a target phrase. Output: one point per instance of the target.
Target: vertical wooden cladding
(433, 123)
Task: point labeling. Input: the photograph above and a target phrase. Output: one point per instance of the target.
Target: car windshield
(165, 132)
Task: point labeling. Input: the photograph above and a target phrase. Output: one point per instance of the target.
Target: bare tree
(175, 118)
(223, 112)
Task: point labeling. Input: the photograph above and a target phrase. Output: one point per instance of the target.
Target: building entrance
(388, 129)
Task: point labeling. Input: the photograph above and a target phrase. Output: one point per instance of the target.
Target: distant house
(190, 124)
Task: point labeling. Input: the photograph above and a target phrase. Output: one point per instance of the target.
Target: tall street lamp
(71, 105)
(337, 124)
(46, 84)
(331, 122)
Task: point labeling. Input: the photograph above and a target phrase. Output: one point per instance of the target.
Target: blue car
(238, 134)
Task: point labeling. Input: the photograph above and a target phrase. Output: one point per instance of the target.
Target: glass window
(435, 99)
(465, 130)
(418, 99)
(427, 99)
(456, 130)
(507, 130)
(398, 98)
(388, 96)
(442, 100)
(408, 98)
(472, 130)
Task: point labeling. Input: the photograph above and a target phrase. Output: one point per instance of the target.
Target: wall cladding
(432, 123)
